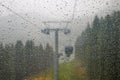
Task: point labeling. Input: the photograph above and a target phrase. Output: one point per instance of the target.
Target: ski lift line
(69, 49)
(56, 21)
(16, 13)
(72, 17)
(59, 22)
(19, 16)
(73, 13)
(67, 22)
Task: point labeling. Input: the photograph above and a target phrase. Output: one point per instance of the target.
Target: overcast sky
(37, 11)
(57, 9)
(14, 28)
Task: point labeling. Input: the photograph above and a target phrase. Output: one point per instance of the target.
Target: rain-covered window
(59, 39)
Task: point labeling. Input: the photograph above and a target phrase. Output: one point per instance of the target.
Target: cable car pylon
(56, 59)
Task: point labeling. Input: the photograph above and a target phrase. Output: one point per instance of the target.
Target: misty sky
(56, 9)
(14, 28)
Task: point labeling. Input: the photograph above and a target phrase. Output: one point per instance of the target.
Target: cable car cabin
(68, 50)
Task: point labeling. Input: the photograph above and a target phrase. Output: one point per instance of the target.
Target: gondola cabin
(68, 50)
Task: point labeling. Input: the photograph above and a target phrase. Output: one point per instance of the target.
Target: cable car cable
(20, 16)
(69, 49)
(23, 19)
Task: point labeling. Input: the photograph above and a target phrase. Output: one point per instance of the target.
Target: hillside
(68, 71)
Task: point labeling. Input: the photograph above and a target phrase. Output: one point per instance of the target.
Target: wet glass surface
(59, 39)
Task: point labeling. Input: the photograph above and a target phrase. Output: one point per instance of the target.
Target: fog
(13, 27)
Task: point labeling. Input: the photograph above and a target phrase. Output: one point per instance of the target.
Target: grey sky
(37, 11)
(56, 9)
(14, 28)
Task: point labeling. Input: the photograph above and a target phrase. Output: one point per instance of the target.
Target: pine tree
(98, 47)
(19, 60)
(29, 55)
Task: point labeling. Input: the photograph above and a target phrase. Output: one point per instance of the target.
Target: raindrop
(66, 14)
(33, 39)
(117, 3)
(9, 21)
(93, 12)
(29, 32)
(107, 3)
(9, 28)
(28, 35)
(47, 1)
(22, 23)
(26, 14)
(57, 5)
(78, 16)
(60, 7)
